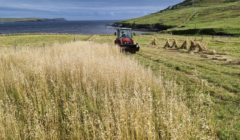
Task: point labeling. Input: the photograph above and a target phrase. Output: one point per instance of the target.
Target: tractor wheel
(133, 52)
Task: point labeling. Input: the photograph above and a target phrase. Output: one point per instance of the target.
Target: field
(85, 90)
(164, 88)
(32, 40)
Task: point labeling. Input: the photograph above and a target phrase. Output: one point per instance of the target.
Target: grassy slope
(191, 70)
(210, 14)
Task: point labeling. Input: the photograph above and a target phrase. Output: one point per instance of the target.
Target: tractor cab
(125, 40)
(124, 34)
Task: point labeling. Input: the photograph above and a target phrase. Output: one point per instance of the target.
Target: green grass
(210, 14)
(223, 79)
(223, 84)
(37, 39)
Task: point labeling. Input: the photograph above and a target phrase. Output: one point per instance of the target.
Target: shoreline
(145, 30)
(135, 29)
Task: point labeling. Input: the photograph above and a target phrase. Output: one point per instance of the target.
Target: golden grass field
(86, 90)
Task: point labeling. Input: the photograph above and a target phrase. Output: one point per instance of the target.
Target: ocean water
(70, 27)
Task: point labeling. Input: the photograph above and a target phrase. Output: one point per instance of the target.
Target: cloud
(76, 8)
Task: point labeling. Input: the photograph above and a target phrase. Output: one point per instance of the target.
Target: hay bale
(221, 53)
(174, 44)
(197, 45)
(235, 61)
(200, 47)
(220, 58)
(214, 52)
(193, 46)
(167, 45)
(153, 41)
(184, 45)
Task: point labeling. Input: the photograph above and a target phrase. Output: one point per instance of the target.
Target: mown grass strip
(225, 104)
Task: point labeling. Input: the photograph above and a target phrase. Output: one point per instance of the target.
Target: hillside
(30, 19)
(222, 15)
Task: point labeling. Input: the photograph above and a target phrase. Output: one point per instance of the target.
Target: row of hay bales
(195, 47)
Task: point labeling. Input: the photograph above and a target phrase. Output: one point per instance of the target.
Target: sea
(70, 27)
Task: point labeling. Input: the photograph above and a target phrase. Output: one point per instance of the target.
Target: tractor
(125, 41)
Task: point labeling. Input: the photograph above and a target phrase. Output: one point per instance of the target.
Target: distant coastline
(30, 19)
(60, 27)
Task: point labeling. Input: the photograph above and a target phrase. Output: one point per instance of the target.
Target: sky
(82, 9)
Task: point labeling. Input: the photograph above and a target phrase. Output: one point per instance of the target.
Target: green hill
(207, 17)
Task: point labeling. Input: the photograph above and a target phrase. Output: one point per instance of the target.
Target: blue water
(70, 27)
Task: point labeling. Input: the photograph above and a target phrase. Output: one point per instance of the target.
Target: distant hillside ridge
(202, 2)
(203, 15)
(30, 19)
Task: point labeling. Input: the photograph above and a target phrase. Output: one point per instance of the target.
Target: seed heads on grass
(96, 92)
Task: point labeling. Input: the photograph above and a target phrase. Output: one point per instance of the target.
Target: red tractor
(125, 41)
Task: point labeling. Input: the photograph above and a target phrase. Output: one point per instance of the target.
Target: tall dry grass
(91, 91)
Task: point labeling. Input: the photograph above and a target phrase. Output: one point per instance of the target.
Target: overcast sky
(82, 9)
